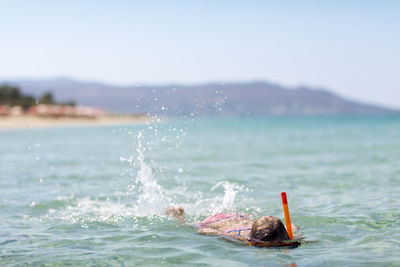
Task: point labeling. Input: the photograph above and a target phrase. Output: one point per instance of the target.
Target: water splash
(143, 196)
(230, 191)
(151, 199)
(199, 206)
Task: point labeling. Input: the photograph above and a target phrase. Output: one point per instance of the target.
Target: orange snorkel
(290, 244)
(287, 216)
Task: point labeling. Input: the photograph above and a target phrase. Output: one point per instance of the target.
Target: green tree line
(12, 96)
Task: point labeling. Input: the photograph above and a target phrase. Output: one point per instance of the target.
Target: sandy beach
(31, 122)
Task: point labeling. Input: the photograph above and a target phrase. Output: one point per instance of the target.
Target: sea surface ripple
(97, 195)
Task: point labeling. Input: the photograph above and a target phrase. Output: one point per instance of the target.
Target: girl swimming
(238, 226)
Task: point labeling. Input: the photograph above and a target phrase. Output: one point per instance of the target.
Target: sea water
(97, 195)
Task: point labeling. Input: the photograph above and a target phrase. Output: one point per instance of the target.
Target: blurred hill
(253, 98)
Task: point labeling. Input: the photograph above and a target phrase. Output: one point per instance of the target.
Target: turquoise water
(96, 195)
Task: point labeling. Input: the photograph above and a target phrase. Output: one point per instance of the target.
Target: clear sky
(349, 47)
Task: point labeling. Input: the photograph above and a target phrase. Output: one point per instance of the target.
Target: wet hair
(268, 228)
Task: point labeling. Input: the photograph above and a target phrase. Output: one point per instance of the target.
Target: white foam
(145, 197)
(230, 191)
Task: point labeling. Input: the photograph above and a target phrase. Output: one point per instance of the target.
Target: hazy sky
(349, 47)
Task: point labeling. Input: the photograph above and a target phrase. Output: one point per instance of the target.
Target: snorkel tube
(292, 243)
(287, 216)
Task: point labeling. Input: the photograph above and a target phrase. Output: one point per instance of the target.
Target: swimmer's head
(268, 228)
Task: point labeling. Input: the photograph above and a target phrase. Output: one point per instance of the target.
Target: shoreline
(36, 122)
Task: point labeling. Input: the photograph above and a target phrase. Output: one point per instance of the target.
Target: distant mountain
(253, 98)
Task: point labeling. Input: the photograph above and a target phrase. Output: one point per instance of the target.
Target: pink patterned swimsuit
(218, 217)
(223, 216)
